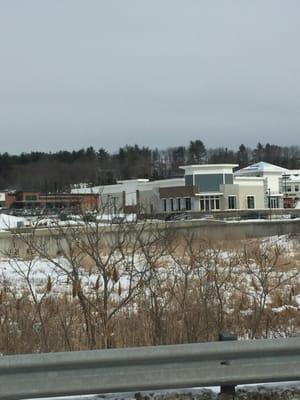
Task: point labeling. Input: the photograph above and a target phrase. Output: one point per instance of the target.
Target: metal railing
(149, 368)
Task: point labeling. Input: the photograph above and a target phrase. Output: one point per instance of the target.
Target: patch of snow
(190, 393)
(10, 221)
(297, 299)
(120, 217)
(284, 308)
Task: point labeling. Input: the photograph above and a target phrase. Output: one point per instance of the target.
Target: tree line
(57, 171)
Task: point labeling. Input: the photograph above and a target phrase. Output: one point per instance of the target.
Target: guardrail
(149, 368)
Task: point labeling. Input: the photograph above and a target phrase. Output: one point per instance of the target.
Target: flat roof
(209, 194)
(133, 180)
(206, 166)
(249, 178)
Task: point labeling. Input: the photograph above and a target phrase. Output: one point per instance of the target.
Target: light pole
(269, 203)
(284, 177)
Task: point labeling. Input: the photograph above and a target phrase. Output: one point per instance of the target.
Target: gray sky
(75, 73)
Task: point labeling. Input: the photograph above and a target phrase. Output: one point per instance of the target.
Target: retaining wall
(53, 239)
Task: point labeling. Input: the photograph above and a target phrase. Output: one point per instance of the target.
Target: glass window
(165, 204)
(172, 204)
(188, 203)
(206, 203)
(202, 205)
(178, 204)
(217, 203)
(296, 188)
(31, 197)
(231, 202)
(250, 202)
(273, 202)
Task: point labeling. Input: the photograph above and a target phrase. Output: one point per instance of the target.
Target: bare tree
(264, 272)
(109, 253)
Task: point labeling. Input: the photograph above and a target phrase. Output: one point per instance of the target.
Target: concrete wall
(272, 178)
(273, 182)
(111, 203)
(217, 230)
(54, 240)
(256, 191)
(229, 190)
(150, 201)
(242, 189)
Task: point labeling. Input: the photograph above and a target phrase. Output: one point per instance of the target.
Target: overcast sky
(75, 73)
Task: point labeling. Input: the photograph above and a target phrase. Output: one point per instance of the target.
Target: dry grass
(204, 294)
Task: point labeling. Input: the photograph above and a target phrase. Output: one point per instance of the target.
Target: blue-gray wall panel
(211, 182)
(188, 180)
(229, 179)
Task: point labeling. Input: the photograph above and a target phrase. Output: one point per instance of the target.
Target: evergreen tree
(242, 156)
(196, 152)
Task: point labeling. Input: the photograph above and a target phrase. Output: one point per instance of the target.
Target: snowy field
(249, 278)
(11, 222)
(15, 274)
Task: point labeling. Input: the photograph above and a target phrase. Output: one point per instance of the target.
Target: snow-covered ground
(10, 222)
(249, 279)
(282, 390)
(14, 271)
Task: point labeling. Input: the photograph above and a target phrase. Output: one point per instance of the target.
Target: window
(232, 202)
(172, 204)
(31, 197)
(188, 203)
(208, 203)
(296, 188)
(289, 188)
(202, 204)
(178, 204)
(165, 204)
(273, 202)
(250, 202)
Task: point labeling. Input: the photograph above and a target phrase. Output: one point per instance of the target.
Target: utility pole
(269, 203)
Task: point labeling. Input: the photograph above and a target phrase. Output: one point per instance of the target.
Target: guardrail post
(224, 337)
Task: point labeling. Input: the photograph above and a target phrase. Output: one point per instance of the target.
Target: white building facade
(213, 187)
(282, 184)
(203, 188)
(289, 184)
